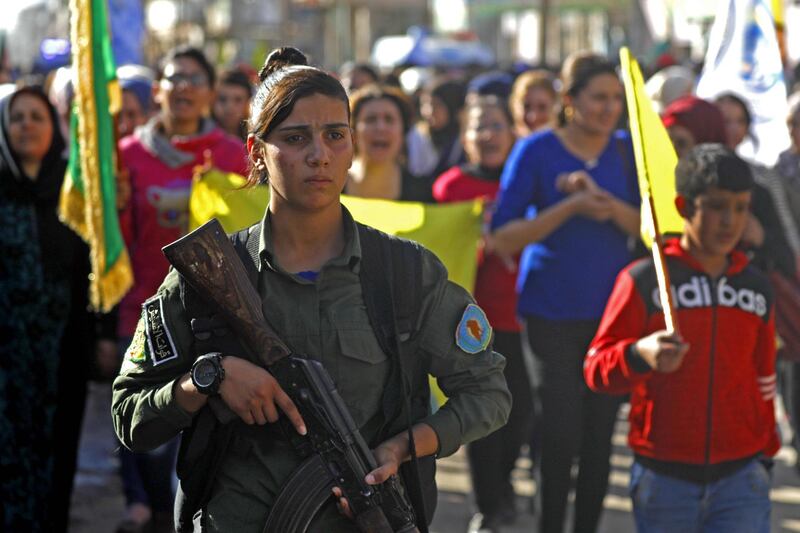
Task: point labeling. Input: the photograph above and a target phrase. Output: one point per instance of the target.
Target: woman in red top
(488, 136)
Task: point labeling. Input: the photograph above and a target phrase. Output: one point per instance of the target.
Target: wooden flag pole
(662, 274)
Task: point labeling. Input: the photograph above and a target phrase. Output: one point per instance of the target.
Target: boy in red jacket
(701, 422)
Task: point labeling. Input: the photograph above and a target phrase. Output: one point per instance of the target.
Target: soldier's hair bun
(279, 58)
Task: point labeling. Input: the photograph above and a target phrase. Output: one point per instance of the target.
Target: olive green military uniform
(325, 320)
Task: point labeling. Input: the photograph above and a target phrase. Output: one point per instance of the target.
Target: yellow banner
(451, 231)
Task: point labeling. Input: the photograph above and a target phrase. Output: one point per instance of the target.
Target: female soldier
(567, 198)
(309, 260)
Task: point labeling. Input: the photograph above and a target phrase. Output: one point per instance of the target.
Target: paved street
(98, 501)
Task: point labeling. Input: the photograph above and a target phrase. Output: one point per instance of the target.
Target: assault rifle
(333, 451)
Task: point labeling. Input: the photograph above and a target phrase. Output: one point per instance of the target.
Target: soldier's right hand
(662, 350)
(253, 393)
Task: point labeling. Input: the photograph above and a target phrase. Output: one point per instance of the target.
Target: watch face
(205, 373)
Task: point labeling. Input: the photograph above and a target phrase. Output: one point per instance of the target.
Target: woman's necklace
(575, 148)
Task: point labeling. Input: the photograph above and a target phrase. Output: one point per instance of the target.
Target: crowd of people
(564, 288)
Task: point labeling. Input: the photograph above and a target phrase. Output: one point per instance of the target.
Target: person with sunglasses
(160, 158)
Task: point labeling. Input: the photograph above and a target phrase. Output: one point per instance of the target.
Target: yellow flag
(451, 231)
(655, 156)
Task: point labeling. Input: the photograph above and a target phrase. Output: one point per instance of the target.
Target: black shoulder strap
(391, 281)
(245, 242)
(392, 273)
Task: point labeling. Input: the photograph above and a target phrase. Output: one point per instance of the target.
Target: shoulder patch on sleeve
(473, 332)
(159, 338)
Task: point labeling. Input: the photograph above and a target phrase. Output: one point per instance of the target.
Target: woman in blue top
(569, 201)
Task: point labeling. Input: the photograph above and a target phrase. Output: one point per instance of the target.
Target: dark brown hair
(579, 69)
(285, 79)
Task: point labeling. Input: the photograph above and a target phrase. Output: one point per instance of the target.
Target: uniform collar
(350, 256)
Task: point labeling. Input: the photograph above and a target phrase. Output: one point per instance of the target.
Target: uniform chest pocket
(361, 345)
(360, 373)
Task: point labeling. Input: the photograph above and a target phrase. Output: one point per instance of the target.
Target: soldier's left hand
(388, 456)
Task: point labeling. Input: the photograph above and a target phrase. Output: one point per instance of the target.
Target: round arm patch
(473, 332)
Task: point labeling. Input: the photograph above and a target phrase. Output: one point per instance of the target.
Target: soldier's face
(307, 156)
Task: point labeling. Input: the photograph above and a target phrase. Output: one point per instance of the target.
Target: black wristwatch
(207, 373)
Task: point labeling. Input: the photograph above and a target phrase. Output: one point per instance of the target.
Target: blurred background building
(335, 31)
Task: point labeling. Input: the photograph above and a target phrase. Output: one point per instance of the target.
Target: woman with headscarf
(40, 258)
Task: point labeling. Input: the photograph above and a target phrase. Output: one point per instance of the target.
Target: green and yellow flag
(88, 198)
(655, 156)
(451, 231)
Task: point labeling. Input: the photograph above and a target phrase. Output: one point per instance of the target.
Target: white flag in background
(743, 58)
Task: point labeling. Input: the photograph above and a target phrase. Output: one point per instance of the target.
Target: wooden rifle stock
(208, 261)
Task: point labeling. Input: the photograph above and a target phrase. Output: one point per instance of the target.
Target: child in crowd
(702, 421)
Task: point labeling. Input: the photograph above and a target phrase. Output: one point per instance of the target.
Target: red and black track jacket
(718, 406)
